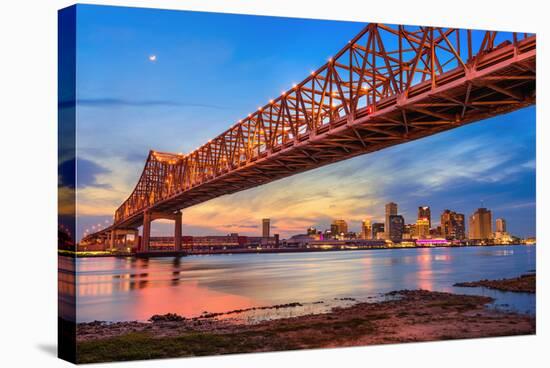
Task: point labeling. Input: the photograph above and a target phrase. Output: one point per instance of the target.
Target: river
(122, 289)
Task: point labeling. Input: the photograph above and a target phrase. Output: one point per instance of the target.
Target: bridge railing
(377, 67)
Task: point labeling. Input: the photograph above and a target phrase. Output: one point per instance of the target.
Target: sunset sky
(171, 80)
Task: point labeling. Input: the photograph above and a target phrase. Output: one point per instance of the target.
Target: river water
(122, 289)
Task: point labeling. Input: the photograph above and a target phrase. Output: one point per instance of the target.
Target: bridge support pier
(144, 246)
(112, 241)
(148, 217)
(177, 232)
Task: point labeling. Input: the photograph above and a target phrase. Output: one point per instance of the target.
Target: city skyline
(446, 227)
(452, 170)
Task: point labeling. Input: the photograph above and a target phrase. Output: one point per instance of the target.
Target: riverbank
(170, 253)
(524, 284)
(406, 316)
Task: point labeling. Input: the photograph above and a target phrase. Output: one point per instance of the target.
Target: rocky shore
(524, 284)
(407, 316)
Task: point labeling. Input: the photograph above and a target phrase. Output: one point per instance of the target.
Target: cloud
(86, 174)
(121, 102)
(449, 170)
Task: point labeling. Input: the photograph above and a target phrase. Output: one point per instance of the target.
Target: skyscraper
(501, 235)
(410, 231)
(391, 209)
(333, 230)
(265, 228)
(480, 224)
(378, 230)
(366, 230)
(339, 226)
(397, 227)
(424, 213)
(500, 225)
(422, 228)
(452, 225)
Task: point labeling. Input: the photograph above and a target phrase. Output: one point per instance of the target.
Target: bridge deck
(373, 101)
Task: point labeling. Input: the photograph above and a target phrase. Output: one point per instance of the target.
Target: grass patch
(138, 346)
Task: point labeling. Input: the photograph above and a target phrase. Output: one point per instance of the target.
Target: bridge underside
(496, 81)
(469, 98)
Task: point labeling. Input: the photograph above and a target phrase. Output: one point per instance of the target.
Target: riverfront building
(378, 230)
(366, 230)
(480, 225)
(424, 213)
(265, 227)
(500, 225)
(397, 228)
(452, 225)
(339, 227)
(391, 210)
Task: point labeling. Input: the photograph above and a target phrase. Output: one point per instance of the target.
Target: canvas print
(239, 183)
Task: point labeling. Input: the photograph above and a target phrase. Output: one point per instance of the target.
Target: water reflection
(134, 289)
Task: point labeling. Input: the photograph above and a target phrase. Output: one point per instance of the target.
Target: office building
(480, 225)
(422, 228)
(339, 227)
(500, 225)
(265, 228)
(453, 225)
(366, 230)
(378, 230)
(391, 210)
(397, 227)
(424, 213)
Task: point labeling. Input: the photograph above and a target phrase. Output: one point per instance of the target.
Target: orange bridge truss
(390, 84)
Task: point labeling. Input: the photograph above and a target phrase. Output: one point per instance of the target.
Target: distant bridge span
(389, 85)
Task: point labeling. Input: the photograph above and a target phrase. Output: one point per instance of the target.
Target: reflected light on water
(116, 289)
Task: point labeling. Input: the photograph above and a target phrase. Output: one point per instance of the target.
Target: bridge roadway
(389, 85)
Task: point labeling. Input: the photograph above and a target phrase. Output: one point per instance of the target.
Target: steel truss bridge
(390, 84)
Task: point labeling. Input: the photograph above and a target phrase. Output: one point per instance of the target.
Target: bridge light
(283, 93)
(330, 59)
(312, 72)
(294, 85)
(271, 101)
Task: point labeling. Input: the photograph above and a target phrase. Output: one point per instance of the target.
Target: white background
(28, 181)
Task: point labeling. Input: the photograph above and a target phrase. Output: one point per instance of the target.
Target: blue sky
(213, 69)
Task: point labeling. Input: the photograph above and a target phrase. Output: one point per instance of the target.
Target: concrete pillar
(146, 231)
(177, 232)
(135, 243)
(112, 244)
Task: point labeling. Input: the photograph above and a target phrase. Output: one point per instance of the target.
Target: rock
(168, 317)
